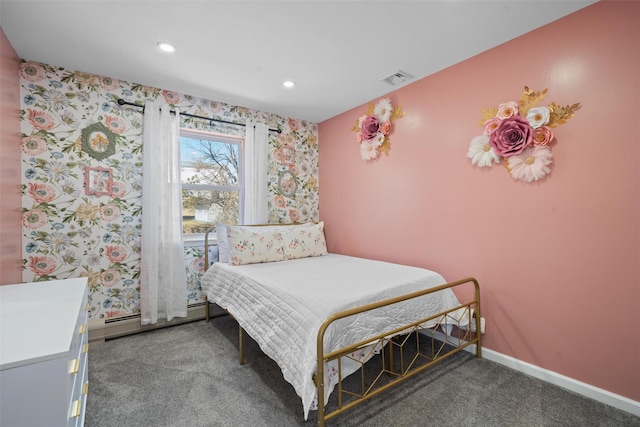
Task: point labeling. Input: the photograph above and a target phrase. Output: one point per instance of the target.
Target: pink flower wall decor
(520, 134)
(373, 128)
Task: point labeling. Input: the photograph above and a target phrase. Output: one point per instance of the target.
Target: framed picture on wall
(287, 183)
(98, 141)
(98, 181)
(288, 156)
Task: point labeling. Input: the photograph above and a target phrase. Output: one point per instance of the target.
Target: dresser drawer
(78, 352)
(77, 366)
(81, 328)
(78, 403)
(44, 357)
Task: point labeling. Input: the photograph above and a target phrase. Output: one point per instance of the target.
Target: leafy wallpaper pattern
(68, 233)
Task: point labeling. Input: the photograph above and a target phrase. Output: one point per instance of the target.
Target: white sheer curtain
(163, 282)
(256, 209)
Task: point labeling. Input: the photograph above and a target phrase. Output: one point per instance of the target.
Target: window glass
(211, 184)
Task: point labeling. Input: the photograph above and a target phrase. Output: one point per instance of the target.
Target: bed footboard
(403, 353)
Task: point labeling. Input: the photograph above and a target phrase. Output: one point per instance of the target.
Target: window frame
(195, 239)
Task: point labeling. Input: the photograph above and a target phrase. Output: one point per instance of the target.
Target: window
(211, 183)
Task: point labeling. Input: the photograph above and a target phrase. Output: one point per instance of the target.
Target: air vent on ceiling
(398, 78)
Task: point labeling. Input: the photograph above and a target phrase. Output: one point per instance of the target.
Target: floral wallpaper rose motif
(67, 233)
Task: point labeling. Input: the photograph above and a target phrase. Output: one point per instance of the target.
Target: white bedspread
(281, 305)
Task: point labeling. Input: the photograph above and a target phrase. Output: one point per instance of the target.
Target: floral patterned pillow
(223, 241)
(248, 246)
(304, 242)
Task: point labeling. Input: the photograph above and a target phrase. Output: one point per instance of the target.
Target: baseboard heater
(105, 329)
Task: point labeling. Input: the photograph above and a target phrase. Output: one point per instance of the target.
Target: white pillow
(223, 242)
(247, 245)
(302, 242)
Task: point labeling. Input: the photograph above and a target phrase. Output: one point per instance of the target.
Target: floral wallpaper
(69, 233)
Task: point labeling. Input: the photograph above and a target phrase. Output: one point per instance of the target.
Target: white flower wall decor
(373, 128)
(519, 133)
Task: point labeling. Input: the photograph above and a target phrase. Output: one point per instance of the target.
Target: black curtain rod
(123, 102)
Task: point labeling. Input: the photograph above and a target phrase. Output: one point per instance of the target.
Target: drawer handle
(85, 388)
(75, 366)
(76, 407)
(82, 329)
(85, 348)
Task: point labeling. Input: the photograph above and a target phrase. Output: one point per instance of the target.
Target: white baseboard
(584, 389)
(101, 329)
(595, 393)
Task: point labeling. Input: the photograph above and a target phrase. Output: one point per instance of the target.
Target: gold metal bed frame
(405, 343)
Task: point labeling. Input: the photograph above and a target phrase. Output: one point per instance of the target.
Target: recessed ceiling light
(289, 84)
(166, 47)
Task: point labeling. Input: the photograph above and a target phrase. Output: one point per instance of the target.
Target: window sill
(190, 240)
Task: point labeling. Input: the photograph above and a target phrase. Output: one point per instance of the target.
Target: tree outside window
(211, 183)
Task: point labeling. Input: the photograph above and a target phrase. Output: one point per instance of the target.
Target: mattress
(281, 305)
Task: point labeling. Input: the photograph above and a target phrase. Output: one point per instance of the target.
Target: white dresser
(43, 353)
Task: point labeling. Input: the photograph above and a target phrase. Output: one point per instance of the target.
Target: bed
(321, 316)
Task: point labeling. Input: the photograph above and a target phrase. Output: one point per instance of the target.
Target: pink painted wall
(10, 211)
(558, 260)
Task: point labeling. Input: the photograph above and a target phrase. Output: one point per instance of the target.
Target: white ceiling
(240, 52)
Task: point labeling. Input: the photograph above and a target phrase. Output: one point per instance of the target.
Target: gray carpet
(189, 375)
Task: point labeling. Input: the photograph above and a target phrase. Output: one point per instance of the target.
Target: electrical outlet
(482, 325)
